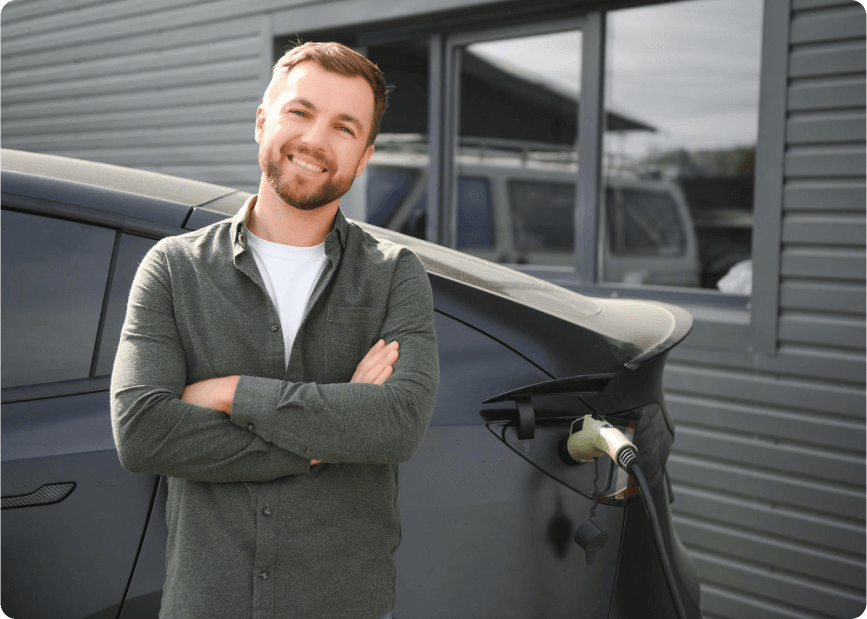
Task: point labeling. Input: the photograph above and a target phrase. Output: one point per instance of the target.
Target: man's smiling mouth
(304, 165)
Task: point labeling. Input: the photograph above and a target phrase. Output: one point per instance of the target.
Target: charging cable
(597, 437)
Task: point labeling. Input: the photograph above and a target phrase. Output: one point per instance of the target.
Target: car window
(129, 255)
(475, 227)
(643, 222)
(542, 215)
(386, 188)
(54, 278)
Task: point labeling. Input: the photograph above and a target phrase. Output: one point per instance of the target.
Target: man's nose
(315, 134)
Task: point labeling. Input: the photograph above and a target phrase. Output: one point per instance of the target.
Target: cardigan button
(251, 427)
(274, 327)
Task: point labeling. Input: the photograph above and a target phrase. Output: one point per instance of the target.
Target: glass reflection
(690, 72)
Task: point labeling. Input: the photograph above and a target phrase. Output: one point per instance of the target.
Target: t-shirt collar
(239, 226)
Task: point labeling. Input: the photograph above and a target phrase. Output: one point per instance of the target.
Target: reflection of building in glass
(493, 96)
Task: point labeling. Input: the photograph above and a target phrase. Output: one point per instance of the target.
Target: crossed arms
(218, 393)
(276, 428)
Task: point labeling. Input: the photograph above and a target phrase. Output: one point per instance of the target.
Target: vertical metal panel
(436, 98)
(590, 128)
(449, 143)
(768, 198)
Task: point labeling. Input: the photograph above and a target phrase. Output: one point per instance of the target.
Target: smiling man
(277, 367)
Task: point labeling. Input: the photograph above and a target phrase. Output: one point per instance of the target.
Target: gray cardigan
(254, 530)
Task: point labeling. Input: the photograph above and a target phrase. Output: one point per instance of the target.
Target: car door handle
(45, 494)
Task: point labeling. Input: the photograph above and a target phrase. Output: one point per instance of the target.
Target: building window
(689, 71)
(675, 136)
(516, 131)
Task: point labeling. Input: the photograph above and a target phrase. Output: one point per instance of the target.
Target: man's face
(313, 137)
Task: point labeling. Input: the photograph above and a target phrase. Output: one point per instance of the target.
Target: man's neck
(273, 220)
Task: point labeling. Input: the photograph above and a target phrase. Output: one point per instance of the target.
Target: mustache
(302, 149)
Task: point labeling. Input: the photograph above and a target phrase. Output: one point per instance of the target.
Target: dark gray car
(489, 504)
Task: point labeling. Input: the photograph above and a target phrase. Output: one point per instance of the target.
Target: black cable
(628, 460)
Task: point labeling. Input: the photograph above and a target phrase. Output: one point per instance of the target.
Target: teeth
(305, 165)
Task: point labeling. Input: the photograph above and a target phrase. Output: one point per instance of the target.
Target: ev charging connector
(597, 437)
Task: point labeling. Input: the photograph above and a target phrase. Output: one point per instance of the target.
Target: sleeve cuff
(254, 405)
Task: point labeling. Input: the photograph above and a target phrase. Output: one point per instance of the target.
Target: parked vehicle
(515, 210)
(489, 507)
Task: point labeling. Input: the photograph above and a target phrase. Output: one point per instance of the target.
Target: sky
(690, 69)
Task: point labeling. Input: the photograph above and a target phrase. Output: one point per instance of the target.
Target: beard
(296, 193)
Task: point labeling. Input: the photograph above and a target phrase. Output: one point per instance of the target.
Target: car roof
(154, 185)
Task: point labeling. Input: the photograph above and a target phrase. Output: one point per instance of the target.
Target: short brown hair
(339, 59)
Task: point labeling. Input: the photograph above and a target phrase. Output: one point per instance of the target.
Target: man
(277, 366)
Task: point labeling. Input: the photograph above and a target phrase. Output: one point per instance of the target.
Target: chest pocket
(350, 332)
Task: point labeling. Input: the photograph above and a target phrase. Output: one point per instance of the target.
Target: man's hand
(216, 393)
(377, 364)
(375, 368)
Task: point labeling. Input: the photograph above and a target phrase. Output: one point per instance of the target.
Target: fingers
(383, 376)
(375, 362)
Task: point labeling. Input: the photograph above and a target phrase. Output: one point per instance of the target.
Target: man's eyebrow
(300, 101)
(349, 118)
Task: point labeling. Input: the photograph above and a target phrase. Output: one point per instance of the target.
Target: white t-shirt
(290, 273)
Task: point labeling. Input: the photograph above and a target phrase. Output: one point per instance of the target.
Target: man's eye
(298, 112)
(346, 130)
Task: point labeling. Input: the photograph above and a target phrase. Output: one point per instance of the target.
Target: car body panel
(71, 558)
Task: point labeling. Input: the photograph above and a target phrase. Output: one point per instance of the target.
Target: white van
(518, 212)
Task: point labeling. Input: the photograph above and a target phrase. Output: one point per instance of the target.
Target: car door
(72, 517)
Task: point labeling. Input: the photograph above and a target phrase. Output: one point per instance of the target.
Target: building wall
(164, 86)
(768, 469)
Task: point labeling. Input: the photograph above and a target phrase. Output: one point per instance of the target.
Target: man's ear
(260, 123)
(362, 163)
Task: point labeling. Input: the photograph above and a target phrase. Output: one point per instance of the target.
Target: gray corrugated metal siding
(768, 468)
(169, 86)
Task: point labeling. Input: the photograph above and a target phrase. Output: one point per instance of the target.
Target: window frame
(444, 105)
(445, 133)
(83, 215)
(727, 322)
(111, 239)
